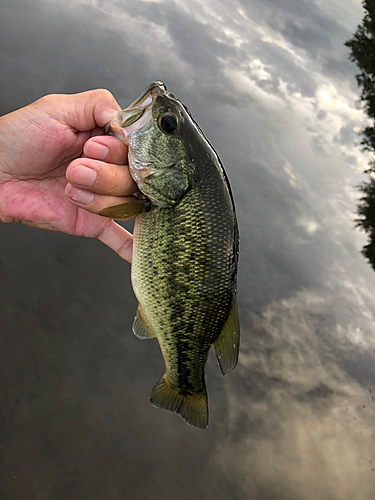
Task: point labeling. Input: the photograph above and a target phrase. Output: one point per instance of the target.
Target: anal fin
(141, 328)
(228, 342)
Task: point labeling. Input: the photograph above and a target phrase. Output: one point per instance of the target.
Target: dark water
(271, 86)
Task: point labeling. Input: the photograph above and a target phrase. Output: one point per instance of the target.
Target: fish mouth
(152, 91)
(138, 112)
(133, 118)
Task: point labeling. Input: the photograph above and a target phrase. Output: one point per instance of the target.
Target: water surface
(271, 86)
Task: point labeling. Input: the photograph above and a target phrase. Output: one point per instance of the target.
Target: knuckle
(46, 100)
(104, 94)
(6, 219)
(125, 251)
(6, 213)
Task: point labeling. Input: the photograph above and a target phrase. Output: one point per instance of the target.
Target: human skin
(58, 170)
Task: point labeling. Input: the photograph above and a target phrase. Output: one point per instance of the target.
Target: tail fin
(193, 409)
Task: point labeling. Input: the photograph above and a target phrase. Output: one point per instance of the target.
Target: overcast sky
(271, 85)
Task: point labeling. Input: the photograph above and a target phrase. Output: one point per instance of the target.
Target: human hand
(43, 181)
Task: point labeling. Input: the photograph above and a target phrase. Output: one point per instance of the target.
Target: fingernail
(80, 196)
(84, 176)
(97, 150)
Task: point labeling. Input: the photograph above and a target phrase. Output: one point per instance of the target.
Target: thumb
(87, 110)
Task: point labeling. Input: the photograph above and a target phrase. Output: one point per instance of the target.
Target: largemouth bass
(184, 268)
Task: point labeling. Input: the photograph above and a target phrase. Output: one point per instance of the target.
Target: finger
(100, 177)
(118, 239)
(96, 131)
(105, 147)
(86, 110)
(91, 202)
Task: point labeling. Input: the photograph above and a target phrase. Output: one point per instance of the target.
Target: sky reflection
(271, 86)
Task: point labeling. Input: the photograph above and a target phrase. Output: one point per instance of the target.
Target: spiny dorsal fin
(141, 327)
(228, 342)
(193, 409)
(125, 211)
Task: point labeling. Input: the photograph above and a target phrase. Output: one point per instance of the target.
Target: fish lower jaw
(139, 173)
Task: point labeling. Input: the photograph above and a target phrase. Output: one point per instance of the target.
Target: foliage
(367, 221)
(362, 52)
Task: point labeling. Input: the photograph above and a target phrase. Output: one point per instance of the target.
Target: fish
(186, 247)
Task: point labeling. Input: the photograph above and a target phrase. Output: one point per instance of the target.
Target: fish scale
(185, 249)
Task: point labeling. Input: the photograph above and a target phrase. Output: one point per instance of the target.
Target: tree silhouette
(362, 52)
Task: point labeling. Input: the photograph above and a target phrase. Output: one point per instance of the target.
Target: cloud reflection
(300, 420)
(271, 85)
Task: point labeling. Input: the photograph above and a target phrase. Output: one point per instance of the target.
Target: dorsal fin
(228, 342)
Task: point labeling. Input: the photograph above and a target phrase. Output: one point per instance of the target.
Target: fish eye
(168, 123)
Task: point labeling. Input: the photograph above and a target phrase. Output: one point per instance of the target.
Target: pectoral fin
(141, 327)
(227, 344)
(166, 186)
(125, 211)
